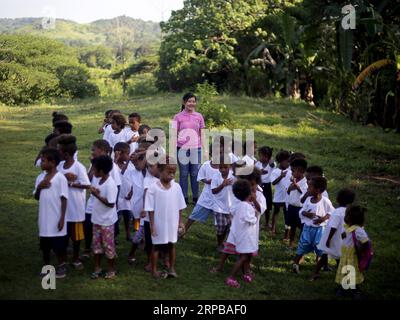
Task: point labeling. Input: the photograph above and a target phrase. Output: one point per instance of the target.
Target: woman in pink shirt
(189, 124)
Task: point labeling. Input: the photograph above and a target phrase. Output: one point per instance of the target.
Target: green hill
(106, 32)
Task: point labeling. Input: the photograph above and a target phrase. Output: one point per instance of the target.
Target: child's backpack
(364, 255)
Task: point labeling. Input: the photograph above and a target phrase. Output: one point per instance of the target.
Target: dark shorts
(162, 247)
(57, 244)
(293, 216)
(148, 244)
(267, 191)
(277, 207)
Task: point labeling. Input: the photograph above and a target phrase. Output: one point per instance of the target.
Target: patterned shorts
(103, 241)
(139, 235)
(223, 223)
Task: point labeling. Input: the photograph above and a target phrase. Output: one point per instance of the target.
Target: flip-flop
(160, 275)
(97, 274)
(131, 261)
(248, 278)
(231, 282)
(110, 275)
(172, 275)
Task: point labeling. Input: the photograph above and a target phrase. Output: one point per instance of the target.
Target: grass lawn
(364, 158)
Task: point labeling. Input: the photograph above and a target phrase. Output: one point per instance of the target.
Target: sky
(85, 11)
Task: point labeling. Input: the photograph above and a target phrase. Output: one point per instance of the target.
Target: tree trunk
(397, 104)
(308, 95)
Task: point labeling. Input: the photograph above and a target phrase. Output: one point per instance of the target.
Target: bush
(215, 114)
(144, 84)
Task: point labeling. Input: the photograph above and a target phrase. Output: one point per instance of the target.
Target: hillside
(100, 32)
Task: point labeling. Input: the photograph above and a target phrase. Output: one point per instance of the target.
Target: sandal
(97, 274)
(248, 278)
(110, 275)
(160, 275)
(131, 261)
(231, 282)
(172, 274)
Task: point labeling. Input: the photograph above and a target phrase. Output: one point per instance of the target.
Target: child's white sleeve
(202, 173)
(63, 187)
(250, 216)
(83, 177)
(149, 200)
(111, 193)
(361, 235)
(39, 178)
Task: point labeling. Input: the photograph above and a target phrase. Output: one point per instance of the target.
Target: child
(135, 174)
(51, 189)
(266, 165)
(165, 202)
(280, 178)
(353, 236)
(221, 188)
(331, 240)
(314, 214)
(132, 133)
(204, 206)
(104, 216)
(152, 176)
(62, 127)
(258, 202)
(78, 182)
(99, 148)
(295, 191)
(106, 122)
(118, 133)
(143, 130)
(121, 154)
(108, 128)
(243, 232)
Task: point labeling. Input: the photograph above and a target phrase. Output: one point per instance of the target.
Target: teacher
(189, 124)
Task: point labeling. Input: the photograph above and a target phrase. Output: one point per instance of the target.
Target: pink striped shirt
(189, 127)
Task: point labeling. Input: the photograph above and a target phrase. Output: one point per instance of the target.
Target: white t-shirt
(115, 174)
(223, 199)
(265, 178)
(166, 204)
(107, 130)
(50, 205)
(136, 178)
(336, 221)
(76, 197)
(114, 138)
(101, 214)
(147, 182)
(321, 209)
(125, 189)
(128, 136)
(263, 206)
(280, 194)
(244, 228)
(294, 197)
(206, 198)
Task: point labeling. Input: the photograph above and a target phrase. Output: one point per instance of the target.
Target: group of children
(123, 183)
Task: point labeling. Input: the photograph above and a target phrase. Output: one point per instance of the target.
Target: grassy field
(364, 158)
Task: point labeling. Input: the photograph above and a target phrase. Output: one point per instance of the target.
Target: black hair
(63, 127)
(315, 169)
(58, 117)
(67, 144)
(107, 113)
(296, 155)
(244, 146)
(135, 115)
(266, 151)
(51, 154)
(319, 183)
(355, 215)
(103, 163)
(102, 145)
(120, 120)
(282, 155)
(299, 163)
(186, 97)
(241, 189)
(255, 176)
(50, 137)
(345, 197)
(122, 146)
(142, 128)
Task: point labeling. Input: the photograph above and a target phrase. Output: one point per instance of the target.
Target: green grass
(366, 159)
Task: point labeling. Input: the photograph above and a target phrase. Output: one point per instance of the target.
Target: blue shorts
(200, 213)
(309, 239)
